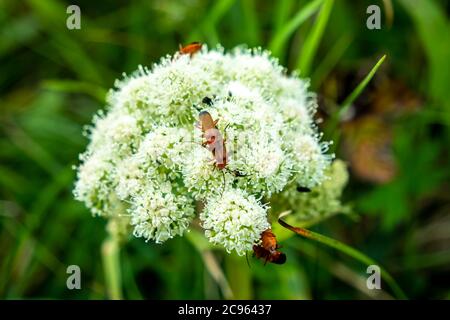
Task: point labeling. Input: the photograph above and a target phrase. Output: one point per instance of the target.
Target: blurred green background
(394, 137)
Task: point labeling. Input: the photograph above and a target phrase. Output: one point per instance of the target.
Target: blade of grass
(11, 180)
(33, 149)
(217, 274)
(389, 9)
(342, 247)
(131, 286)
(335, 134)
(36, 216)
(330, 60)
(73, 86)
(218, 11)
(281, 37)
(313, 39)
(21, 31)
(359, 89)
(339, 270)
(239, 275)
(436, 116)
(208, 27)
(47, 196)
(204, 247)
(40, 252)
(52, 15)
(281, 16)
(282, 11)
(439, 259)
(433, 28)
(251, 23)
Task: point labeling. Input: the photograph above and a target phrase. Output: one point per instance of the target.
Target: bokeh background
(395, 139)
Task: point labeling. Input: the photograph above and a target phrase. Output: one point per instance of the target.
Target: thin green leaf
(346, 249)
(433, 32)
(339, 270)
(239, 276)
(34, 150)
(53, 16)
(208, 27)
(334, 120)
(359, 89)
(251, 22)
(72, 86)
(280, 38)
(330, 60)
(312, 41)
(282, 11)
(203, 246)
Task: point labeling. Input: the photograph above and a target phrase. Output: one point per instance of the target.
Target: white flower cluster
(323, 201)
(234, 220)
(146, 152)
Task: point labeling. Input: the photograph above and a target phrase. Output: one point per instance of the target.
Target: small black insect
(208, 101)
(303, 189)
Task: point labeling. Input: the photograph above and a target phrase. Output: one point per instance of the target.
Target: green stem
(239, 276)
(204, 248)
(333, 243)
(111, 267)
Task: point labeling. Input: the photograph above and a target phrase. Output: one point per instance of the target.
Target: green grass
(279, 39)
(312, 41)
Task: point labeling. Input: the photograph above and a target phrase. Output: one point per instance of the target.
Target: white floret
(146, 154)
(235, 220)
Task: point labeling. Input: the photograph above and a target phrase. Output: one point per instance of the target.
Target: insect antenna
(197, 107)
(224, 182)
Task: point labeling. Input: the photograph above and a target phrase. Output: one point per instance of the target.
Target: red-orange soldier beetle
(268, 249)
(191, 49)
(214, 140)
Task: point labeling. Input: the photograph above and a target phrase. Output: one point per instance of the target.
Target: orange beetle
(214, 140)
(191, 49)
(268, 249)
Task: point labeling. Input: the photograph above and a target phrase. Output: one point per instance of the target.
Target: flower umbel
(146, 153)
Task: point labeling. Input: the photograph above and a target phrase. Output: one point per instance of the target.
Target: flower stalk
(240, 278)
(111, 267)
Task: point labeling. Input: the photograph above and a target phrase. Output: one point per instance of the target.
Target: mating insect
(268, 249)
(191, 49)
(214, 140)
